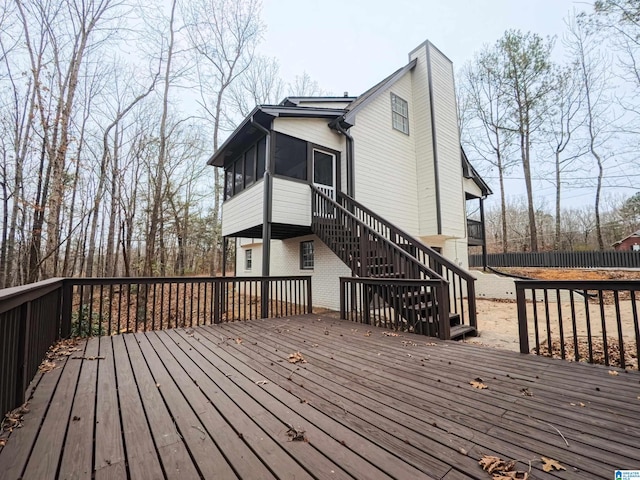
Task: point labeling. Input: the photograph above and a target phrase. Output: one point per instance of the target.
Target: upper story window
(399, 114)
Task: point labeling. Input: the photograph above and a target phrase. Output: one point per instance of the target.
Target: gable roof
(634, 234)
(376, 90)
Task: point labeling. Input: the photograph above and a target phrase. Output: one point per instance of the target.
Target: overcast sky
(349, 45)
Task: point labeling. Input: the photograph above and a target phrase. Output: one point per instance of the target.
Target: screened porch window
(290, 157)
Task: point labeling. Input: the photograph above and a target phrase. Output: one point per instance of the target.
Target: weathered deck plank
(193, 403)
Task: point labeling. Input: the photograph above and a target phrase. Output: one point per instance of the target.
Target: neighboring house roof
(634, 234)
(470, 172)
(262, 115)
(295, 101)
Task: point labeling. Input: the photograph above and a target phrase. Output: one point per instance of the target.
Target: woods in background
(572, 123)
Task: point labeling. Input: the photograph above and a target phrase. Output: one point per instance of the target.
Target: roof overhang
(248, 132)
(468, 171)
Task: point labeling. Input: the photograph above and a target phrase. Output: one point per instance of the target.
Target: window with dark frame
(306, 255)
(247, 259)
(399, 114)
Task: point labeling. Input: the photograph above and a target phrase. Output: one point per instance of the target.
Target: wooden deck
(218, 401)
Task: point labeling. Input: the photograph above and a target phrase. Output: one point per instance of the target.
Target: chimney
(346, 94)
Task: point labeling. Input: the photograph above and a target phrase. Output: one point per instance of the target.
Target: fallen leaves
(238, 340)
(550, 464)
(46, 366)
(12, 420)
(526, 392)
(390, 334)
(477, 383)
(597, 350)
(99, 357)
(501, 469)
(58, 351)
(614, 373)
(296, 435)
(296, 357)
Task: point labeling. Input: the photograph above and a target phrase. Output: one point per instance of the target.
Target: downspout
(351, 184)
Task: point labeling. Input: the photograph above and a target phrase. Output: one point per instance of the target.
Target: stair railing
(462, 297)
(365, 251)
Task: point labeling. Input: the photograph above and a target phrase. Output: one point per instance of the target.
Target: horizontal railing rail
(33, 317)
(462, 297)
(583, 259)
(30, 322)
(594, 321)
(417, 306)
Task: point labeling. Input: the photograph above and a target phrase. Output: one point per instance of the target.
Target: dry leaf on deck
(550, 464)
(614, 373)
(46, 366)
(238, 340)
(390, 334)
(261, 382)
(296, 357)
(491, 464)
(477, 383)
(368, 334)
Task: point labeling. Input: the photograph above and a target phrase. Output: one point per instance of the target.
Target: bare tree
(260, 84)
(593, 69)
(484, 92)
(224, 34)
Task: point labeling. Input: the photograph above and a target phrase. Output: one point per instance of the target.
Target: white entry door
(324, 172)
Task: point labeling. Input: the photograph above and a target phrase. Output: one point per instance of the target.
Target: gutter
(351, 185)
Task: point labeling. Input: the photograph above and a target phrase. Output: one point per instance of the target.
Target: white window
(247, 259)
(306, 255)
(399, 114)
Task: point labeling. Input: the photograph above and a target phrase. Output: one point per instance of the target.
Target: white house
(395, 150)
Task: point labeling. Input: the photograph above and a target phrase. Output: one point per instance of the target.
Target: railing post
(309, 296)
(65, 314)
(22, 377)
(471, 302)
(217, 294)
(343, 300)
(523, 328)
(264, 298)
(444, 326)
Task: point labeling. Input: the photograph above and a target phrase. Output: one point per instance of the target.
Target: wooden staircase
(370, 251)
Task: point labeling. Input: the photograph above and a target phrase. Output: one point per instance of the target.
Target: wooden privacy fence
(418, 306)
(593, 321)
(595, 259)
(33, 317)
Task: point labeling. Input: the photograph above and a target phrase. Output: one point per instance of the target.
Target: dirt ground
(498, 319)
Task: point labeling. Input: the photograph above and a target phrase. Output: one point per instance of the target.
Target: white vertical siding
(385, 165)
(448, 145)
(243, 210)
(291, 202)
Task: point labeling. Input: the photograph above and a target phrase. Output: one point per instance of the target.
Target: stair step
(462, 331)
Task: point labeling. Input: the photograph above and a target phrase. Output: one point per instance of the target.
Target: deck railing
(33, 317)
(104, 306)
(417, 306)
(30, 322)
(462, 299)
(592, 320)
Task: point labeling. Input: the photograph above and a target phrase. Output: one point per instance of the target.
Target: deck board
(217, 401)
